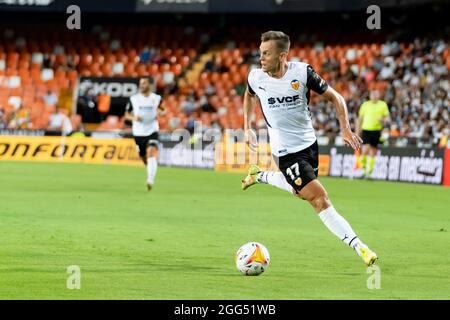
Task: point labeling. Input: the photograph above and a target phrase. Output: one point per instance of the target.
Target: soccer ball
(252, 259)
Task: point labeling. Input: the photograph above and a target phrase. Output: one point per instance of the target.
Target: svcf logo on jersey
(295, 84)
(283, 99)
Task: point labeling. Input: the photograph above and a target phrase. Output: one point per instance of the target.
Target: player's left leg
(374, 140)
(372, 153)
(152, 153)
(363, 158)
(301, 170)
(141, 146)
(317, 196)
(152, 165)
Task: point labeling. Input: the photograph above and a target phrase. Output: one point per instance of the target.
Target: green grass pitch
(178, 241)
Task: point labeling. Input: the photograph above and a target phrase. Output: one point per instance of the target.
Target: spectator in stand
(87, 107)
(70, 63)
(48, 61)
(369, 75)
(219, 66)
(210, 90)
(156, 58)
(21, 119)
(209, 65)
(59, 121)
(190, 125)
(252, 58)
(443, 138)
(189, 105)
(206, 105)
(50, 98)
(215, 124)
(240, 89)
(77, 124)
(394, 131)
(3, 121)
(168, 78)
(144, 56)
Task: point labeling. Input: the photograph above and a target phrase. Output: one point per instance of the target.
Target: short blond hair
(281, 39)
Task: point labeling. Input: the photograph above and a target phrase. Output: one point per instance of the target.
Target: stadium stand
(204, 79)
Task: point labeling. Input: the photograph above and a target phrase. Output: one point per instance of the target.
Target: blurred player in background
(142, 110)
(283, 88)
(373, 115)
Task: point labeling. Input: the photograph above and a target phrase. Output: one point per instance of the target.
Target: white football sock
(341, 228)
(275, 179)
(152, 166)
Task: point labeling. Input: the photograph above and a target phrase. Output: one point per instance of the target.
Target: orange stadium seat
(153, 69)
(85, 59)
(60, 60)
(109, 58)
(94, 69)
(130, 70)
(11, 72)
(85, 72)
(177, 69)
(185, 60)
(141, 70)
(72, 75)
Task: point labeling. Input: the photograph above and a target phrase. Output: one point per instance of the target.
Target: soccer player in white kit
(143, 109)
(283, 89)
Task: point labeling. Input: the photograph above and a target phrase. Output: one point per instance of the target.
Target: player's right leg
(276, 179)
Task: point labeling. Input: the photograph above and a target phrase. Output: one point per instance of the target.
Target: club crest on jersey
(295, 84)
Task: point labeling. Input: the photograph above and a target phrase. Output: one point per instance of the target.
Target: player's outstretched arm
(359, 122)
(249, 109)
(130, 117)
(387, 118)
(162, 110)
(349, 137)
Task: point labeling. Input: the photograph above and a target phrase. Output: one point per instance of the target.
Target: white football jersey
(147, 109)
(284, 105)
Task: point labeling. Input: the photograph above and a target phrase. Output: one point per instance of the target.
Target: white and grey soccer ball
(252, 259)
